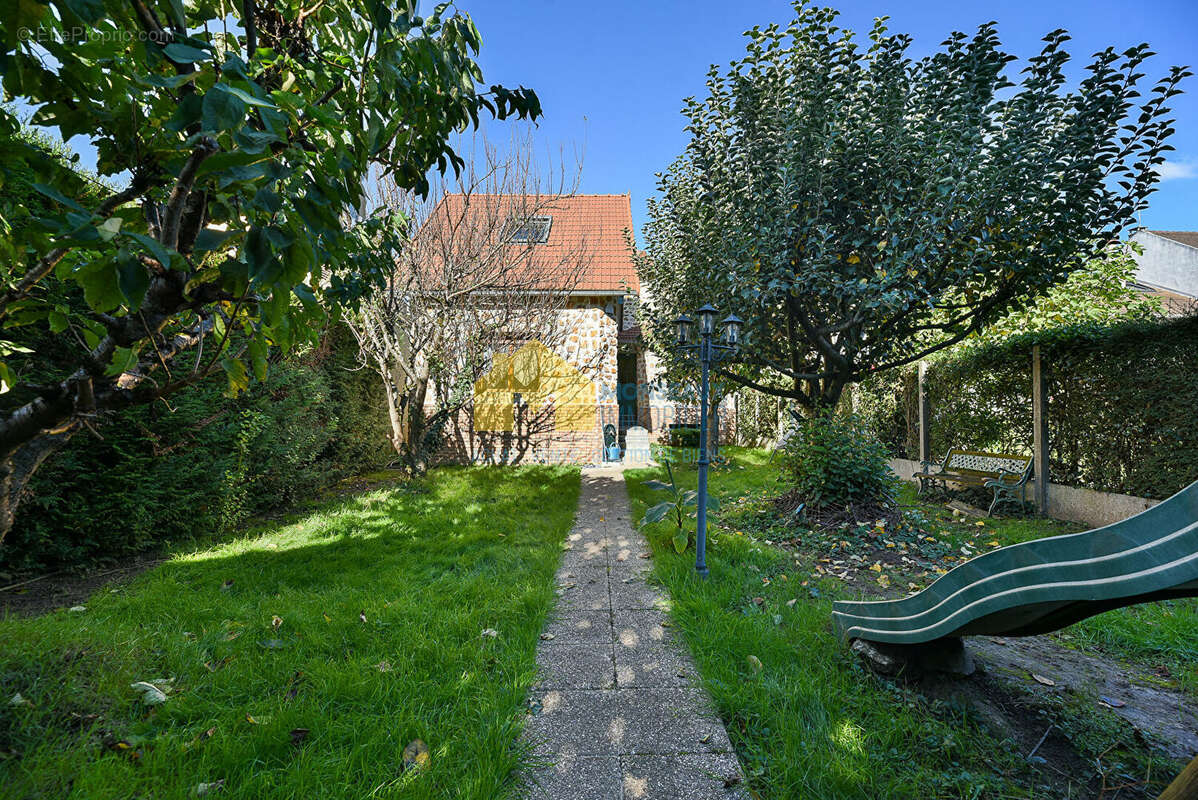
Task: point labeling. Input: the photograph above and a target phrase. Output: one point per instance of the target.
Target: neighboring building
(1168, 268)
(597, 340)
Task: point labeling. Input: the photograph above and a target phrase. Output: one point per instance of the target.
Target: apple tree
(861, 208)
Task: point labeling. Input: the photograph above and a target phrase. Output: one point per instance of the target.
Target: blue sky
(612, 75)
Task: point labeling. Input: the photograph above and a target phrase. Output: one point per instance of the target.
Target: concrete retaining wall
(1066, 502)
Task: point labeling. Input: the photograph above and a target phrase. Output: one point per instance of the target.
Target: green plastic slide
(1046, 584)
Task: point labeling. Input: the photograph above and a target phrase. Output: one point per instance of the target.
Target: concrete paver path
(617, 712)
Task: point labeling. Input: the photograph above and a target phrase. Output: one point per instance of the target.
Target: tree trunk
(17, 467)
(392, 383)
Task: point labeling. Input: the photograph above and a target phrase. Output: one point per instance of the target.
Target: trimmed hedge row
(1121, 409)
(204, 463)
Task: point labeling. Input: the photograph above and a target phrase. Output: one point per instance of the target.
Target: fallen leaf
(1042, 680)
(1111, 701)
(999, 640)
(327, 618)
(227, 585)
(17, 700)
(276, 622)
(415, 755)
(208, 788)
(489, 633)
(757, 601)
(877, 567)
(250, 719)
(645, 555)
(294, 686)
(77, 609)
(754, 663)
(546, 637)
(213, 666)
(884, 581)
(151, 695)
(298, 735)
(790, 603)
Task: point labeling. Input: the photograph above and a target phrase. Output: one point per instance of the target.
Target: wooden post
(1185, 785)
(1040, 430)
(925, 415)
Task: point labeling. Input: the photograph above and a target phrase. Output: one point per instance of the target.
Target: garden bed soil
(1029, 714)
(31, 596)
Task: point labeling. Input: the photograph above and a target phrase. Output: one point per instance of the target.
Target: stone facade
(585, 335)
(589, 336)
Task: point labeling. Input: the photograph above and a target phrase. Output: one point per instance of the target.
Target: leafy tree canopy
(244, 133)
(862, 209)
(1098, 294)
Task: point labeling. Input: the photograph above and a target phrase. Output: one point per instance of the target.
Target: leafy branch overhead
(244, 151)
(862, 209)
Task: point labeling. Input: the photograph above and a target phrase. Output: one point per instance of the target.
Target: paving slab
(571, 626)
(575, 666)
(579, 778)
(634, 592)
(582, 722)
(709, 776)
(616, 713)
(661, 666)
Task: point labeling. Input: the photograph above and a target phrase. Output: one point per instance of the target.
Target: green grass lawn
(811, 722)
(299, 660)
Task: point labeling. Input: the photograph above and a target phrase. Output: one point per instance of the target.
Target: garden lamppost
(707, 352)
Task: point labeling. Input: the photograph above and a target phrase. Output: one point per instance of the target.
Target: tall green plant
(679, 505)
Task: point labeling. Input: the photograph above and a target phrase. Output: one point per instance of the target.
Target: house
(1168, 267)
(547, 398)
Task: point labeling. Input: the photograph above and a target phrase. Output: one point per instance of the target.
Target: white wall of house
(1166, 264)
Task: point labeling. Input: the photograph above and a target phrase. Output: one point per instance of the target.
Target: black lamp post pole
(701, 514)
(707, 352)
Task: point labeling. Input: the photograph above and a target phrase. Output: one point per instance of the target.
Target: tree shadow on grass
(362, 624)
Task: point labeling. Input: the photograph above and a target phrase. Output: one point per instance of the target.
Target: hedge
(1121, 404)
(203, 463)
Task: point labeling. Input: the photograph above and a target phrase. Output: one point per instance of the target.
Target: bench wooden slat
(1001, 472)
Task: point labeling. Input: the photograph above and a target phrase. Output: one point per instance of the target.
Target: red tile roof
(591, 223)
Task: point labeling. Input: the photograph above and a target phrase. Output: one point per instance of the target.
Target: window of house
(531, 231)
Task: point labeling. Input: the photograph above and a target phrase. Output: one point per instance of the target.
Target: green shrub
(684, 436)
(836, 462)
(166, 473)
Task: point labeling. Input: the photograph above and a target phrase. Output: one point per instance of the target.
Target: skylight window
(533, 231)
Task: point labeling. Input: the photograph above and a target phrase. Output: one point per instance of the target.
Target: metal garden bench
(1005, 475)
